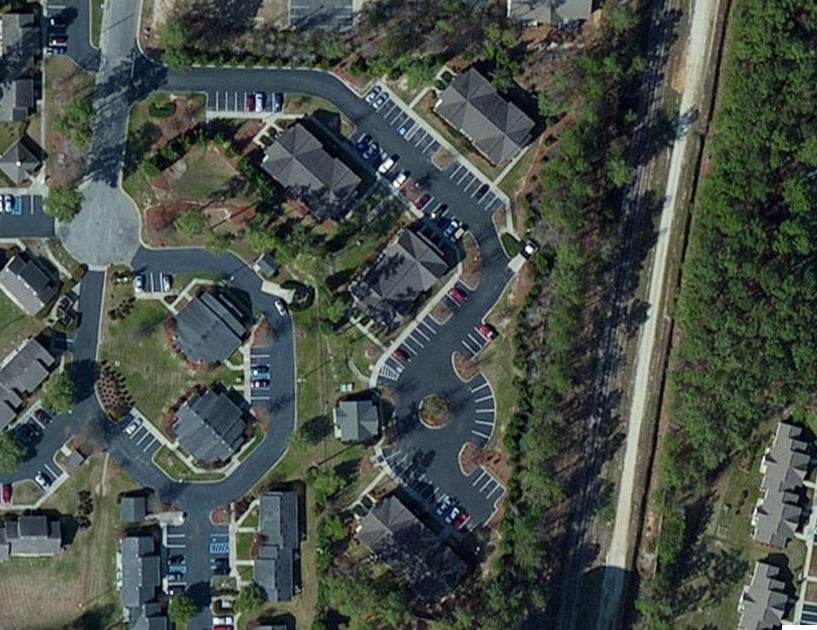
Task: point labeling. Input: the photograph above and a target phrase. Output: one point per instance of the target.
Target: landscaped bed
(176, 469)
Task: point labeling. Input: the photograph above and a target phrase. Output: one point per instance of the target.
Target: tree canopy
(63, 203)
(181, 610)
(249, 599)
(59, 393)
(11, 453)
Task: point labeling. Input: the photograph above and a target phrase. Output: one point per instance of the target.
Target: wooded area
(747, 310)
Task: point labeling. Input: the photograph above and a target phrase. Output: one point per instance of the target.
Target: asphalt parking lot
(32, 222)
(809, 617)
(176, 545)
(260, 357)
(472, 184)
(235, 101)
(76, 15)
(408, 127)
(143, 437)
(422, 335)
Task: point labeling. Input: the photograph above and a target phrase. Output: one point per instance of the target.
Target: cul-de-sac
(412, 314)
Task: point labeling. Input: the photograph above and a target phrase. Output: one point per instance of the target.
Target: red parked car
(6, 493)
(400, 355)
(459, 521)
(456, 295)
(421, 202)
(249, 104)
(486, 331)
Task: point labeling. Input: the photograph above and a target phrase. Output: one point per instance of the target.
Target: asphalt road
(76, 14)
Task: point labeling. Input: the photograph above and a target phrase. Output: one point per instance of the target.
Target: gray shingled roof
(275, 567)
(141, 571)
(210, 426)
(784, 467)
(410, 549)
(209, 328)
(31, 535)
(19, 162)
(550, 11)
(498, 128)
(357, 420)
(133, 509)
(28, 284)
(763, 603)
(23, 373)
(20, 45)
(299, 162)
(407, 268)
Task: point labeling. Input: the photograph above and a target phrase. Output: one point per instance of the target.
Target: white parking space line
(484, 398)
(476, 341)
(397, 111)
(487, 483)
(456, 171)
(480, 434)
(417, 341)
(474, 390)
(149, 444)
(176, 535)
(477, 480)
(467, 347)
(485, 410)
(169, 546)
(408, 347)
(260, 397)
(429, 327)
(258, 355)
(490, 494)
(143, 436)
(51, 471)
(488, 423)
(421, 333)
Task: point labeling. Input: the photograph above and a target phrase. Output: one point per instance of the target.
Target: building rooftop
(410, 549)
(210, 328)
(27, 283)
(22, 373)
(276, 568)
(784, 467)
(549, 11)
(141, 571)
(358, 419)
(210, 426)
(19, 162)
(300, 163)
(30, 535)
(406, 269)
(20, 43)
(763, 602)
(495, 126)
(133, 509)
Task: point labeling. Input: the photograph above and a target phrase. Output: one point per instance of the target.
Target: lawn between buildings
(136, 346)
(56, 591)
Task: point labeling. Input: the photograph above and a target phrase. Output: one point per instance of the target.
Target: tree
(59, 393)
(76, 120)
(181, 610)
(190, 222)
(249, 599)
(11, 452)
(63, 203)
(174, 37)
(331, 530)
(326, 484)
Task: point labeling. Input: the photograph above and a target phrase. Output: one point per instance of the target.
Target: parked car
(387, 165)
(371, 151)
(380, 100)
(177, 559)
(42, 417)
(259, 370)
(373, 93)
(460, 519)
(8, 204)
(405, 127)
(249, 102)
(439, 211)
(57, 50)
(401, 356)
(277, 103)
(452, 227)
(452, 515)
(281, 307)
(482, 190)
(133, 426)
(259, 102)
(529, 248)
(259, 383)
(56, 21)
(57, 40)
(223, 620)
(6, 493)
(363, 142)
(13, 206)
(487, 331)
(43, 480)
(457, 296)
(139, 283)
(444, 505)
(399, 180)
(422, 201)
(167, 282)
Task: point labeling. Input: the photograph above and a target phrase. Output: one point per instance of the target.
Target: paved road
(106, 231)
(636, 216)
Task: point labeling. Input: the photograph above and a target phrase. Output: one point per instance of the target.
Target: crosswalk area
(411, 346)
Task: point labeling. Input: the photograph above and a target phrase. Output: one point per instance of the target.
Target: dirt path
(698, 56)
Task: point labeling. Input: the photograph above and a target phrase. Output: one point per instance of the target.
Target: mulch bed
(472, 264)
(464, 367)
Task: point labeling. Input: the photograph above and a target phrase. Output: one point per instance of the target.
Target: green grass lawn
(137, 347)
(175, 468)
(15, 325)
(26, 492)
(10, 132)
(511, 182)
(243, 546)
(250, 519)
(207, 176)
(96, 21)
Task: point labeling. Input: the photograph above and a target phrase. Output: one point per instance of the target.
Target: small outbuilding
(133, 509)
(358, 419)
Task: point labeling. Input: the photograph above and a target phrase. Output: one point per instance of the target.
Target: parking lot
(31, 222)
(417, 339)
(473, 342)
(141, 436)
(155, 282)
(809, 617)
(176, 545)
(260, 377)
(485, 410)
(236, 101)
(473, 186)
(408, 127)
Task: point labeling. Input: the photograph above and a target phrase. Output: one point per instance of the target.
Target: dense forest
(747, 310)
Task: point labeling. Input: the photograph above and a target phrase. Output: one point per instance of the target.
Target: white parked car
(131, 428)
(387, 165)
(281, 307)
(399, 180)
(139, 283)
(259, 102)
(167, 282)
